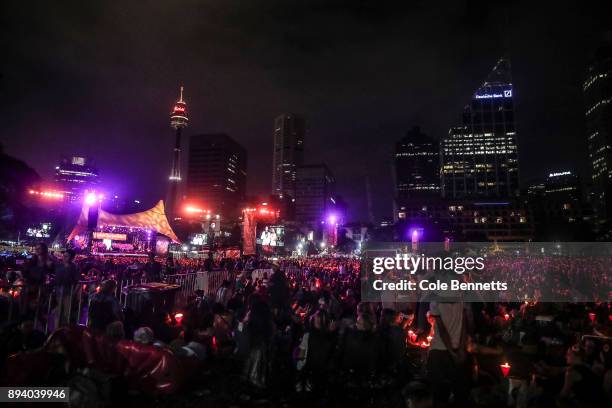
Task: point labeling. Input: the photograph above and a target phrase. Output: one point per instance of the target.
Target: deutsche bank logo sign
(507, 94)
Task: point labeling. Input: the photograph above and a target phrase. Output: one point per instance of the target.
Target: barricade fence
(295, 272)
(50, 306)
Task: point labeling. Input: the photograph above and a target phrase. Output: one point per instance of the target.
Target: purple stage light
(415, 233)
(90, 198)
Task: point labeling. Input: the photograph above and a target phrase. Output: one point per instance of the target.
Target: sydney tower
(178, 120)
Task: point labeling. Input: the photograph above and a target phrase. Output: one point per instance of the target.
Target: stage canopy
(154, 219)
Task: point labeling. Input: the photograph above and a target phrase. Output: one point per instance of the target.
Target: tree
(17, 178)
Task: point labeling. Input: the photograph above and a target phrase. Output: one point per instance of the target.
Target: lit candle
(178, 317)
(592, 316)
(505, 368)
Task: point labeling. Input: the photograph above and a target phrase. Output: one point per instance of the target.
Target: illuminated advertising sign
(507, 93)
(110, 235)
(562, 173)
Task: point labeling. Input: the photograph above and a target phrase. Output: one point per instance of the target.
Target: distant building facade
(216, 174)
(416, 169)
(597, 90)
(314, 193)
(556, 201)
(417, 166)
(288, 153)
(75, 175)
(562, 186)
(486, 220)
(480, 158)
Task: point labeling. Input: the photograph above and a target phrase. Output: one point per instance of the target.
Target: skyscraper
(480, 158)
(597, 90)
(178, 121)
(216, 174)
(562, 185)
(417, 166)
(558, 209)
(314, 193)
(288, 154)
(74, 175)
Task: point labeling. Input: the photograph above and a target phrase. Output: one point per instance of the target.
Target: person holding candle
(447, 354)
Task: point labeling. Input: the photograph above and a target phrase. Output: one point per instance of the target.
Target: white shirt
(452, 317)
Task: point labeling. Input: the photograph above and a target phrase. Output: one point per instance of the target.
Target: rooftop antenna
(181, 98)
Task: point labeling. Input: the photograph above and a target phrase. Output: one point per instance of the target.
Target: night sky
(99, 79)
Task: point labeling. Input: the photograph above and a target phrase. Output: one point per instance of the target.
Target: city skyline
(291, 203)
(86, 103)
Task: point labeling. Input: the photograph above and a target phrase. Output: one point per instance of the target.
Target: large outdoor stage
(136, 234)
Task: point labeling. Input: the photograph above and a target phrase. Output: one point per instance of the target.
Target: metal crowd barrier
(51, 306)
(188, 283)
(211, 281)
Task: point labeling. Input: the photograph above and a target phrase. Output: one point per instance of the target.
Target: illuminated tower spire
(178, 120)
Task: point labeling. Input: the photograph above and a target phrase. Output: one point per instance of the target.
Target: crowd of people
(296, 330)
(555, 277)
(41, 266)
